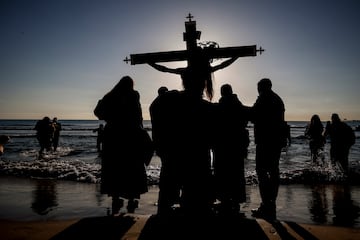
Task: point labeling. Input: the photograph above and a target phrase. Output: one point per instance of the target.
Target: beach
(114, 229)
(148, 227)
(39, 197)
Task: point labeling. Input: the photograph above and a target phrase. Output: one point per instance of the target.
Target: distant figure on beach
(183, 123)
(127, 147)
(230, 150)
(100, 137)
(270, 137)
(57, 129)
(44, 134)
(288, 134)
(4, 139)
(342, 137)
(314, 132)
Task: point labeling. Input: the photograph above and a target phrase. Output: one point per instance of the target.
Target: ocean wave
(76, 170)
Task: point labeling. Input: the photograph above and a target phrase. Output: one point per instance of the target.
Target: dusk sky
(58, 57)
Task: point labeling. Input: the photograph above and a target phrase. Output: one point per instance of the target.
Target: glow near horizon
(59, 58)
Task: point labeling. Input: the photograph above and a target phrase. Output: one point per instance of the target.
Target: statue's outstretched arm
(224, 64)
(162, 68)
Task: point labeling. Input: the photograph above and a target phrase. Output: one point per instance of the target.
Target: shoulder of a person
(136, 93)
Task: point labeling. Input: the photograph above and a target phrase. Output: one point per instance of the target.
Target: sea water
(316, 187)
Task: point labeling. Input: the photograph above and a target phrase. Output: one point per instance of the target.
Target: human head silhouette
(162, 90)
(335, 118)
(226, 90)
(264, 85)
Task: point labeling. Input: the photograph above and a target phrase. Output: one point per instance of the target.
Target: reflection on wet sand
(36, 199)
(44, 196)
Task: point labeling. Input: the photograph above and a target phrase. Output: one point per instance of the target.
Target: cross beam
(190, 36)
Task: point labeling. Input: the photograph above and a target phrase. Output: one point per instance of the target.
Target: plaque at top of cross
(192, 52)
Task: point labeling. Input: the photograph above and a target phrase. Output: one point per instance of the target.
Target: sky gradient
(59, 57)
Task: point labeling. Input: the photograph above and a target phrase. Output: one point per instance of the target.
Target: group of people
(202, 146)
(48, 134)
(341, 137)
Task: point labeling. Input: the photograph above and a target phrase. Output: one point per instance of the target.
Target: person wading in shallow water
(270, 133)
(4, 139)
(314, 131)
(100, 137)
(57, 129)
(342, 137)
(44, 134)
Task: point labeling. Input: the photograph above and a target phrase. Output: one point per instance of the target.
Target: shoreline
(56, 200)
(79, 206)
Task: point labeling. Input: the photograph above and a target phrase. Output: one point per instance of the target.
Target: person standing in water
(100, 137)
(342, 137)
(57, 129)
(44, 134)
(314, 131)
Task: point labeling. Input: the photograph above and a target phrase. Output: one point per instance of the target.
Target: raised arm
(162, 68)
(224, 64)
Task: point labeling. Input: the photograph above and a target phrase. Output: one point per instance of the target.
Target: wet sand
(23, 199)
(42, 208)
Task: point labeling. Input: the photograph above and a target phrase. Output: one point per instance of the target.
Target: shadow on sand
(175, 227)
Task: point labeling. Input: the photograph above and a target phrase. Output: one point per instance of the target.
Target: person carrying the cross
(187, 141)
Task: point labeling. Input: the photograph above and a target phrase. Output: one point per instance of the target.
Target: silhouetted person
(195, 131)
(288, 134)
(57, 129)
(100, 137)
(163, 120)
(184, 142)
(230, 150)
(4, 139)
(314, 132)
(342, 137)
(270, 137)
(44, 134)
(126, 148)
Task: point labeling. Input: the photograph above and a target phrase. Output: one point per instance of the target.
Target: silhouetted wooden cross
(190, 36)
